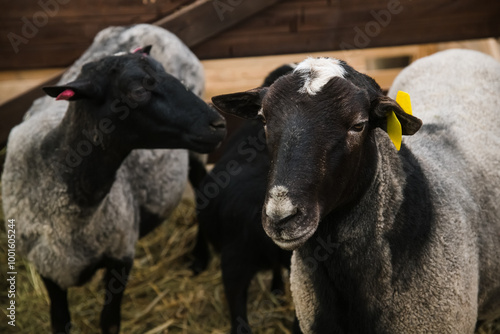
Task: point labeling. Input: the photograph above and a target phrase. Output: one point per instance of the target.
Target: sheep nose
(279, 208)
(282, 216)
(218, 124)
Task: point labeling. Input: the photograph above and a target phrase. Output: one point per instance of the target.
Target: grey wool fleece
(61, 238)
(418, 254)
(460, 90)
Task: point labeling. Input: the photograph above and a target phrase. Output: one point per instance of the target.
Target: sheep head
(149, 107)
(320, 123)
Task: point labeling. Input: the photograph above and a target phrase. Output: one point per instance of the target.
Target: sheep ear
(79, 89)
(244, 104)
(396, 117)
(385, 106)
(145, 49)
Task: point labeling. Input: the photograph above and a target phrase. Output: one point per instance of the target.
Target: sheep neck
(90, 157)
(364, 252)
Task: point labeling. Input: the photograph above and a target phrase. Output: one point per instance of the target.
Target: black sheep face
(149, 107)
(320, 123)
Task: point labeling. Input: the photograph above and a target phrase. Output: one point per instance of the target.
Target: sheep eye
(358, 127)
(139, 93)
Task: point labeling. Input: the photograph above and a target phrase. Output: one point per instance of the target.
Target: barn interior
(238, 42)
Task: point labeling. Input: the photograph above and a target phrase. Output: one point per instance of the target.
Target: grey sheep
(385, 241)
(85, 179)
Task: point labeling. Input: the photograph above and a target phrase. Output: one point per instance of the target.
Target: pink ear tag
(65, 95)
(140, 50)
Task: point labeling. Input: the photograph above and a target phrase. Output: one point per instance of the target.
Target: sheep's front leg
(115, 281)
(59, 310)
(277, 284)
(200, 253)
(236, 276)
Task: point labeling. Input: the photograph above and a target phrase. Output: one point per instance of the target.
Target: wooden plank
(206, 18)
(49, 56)
(15, 83)
(89, 8)
(239, 74)
(12, 112)
(301, 26)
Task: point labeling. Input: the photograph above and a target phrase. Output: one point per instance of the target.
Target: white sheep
(385, 241)
(85, 179)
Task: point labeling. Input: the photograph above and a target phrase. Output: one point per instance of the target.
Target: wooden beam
(203, 19)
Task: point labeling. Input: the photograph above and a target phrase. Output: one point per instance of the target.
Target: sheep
(229, 202)
(85, 179)
(385, 241)
(169, 51)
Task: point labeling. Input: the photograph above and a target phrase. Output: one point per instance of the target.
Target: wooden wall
(283, 27)
(324, 25)
(58, 34)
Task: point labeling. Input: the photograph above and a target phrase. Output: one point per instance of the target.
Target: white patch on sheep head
(316, 72)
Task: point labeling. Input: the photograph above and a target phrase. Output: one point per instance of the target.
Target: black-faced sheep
(85, 180)
(229, 208)
(385, 241)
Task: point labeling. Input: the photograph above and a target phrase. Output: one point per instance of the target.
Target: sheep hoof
(197, 267)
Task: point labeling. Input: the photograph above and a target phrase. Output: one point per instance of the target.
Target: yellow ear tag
(394, 130)
(403, 99)
(393, 125)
